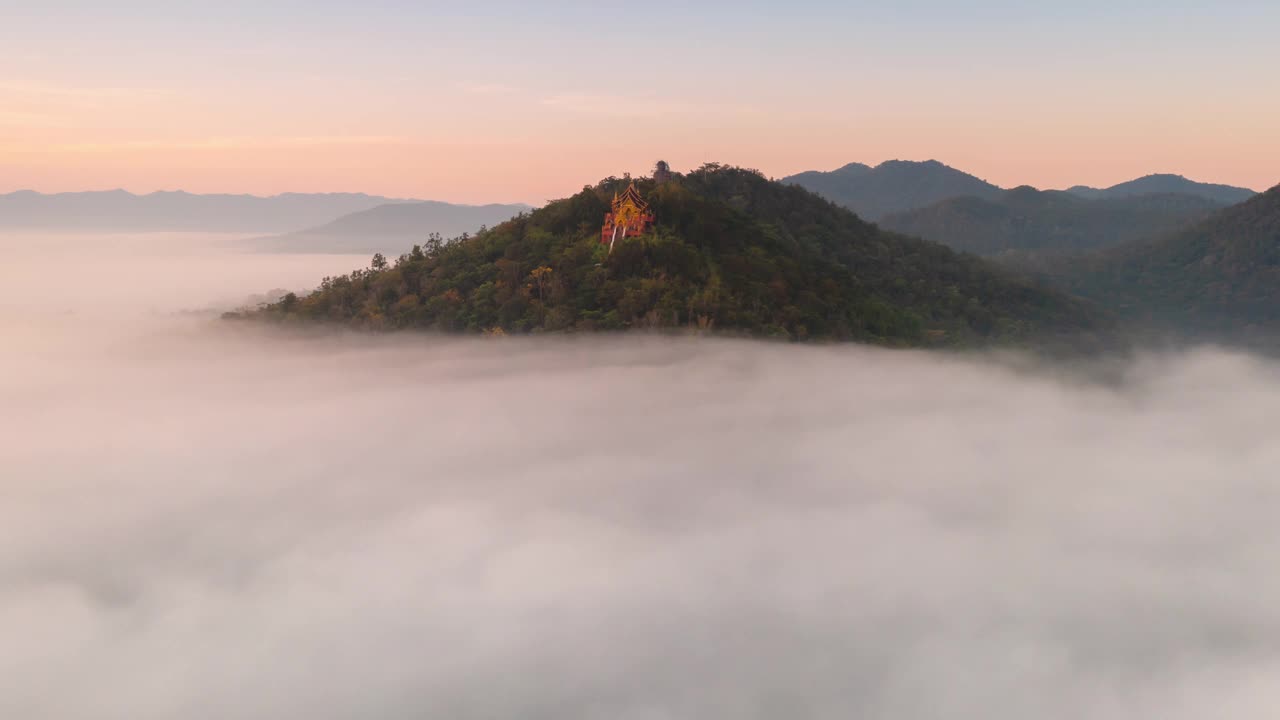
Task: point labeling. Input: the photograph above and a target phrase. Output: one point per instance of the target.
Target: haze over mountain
(1168, 183)
(731, 252)
(1219, 278)
(898, 186)
(892, 186)
(390, 229)
(1051, 220)
(121, 211)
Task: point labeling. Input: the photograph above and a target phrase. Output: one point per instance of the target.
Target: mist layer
(210, 522)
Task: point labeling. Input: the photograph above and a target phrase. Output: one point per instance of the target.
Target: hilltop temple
(630, 217)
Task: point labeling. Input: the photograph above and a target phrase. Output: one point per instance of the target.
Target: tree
(379, 262)
(661, 172)
(539, 276)
(434, 243)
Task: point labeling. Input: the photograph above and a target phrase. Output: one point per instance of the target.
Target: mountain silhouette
(389, 229)
(892, 186)
(1164, 184)
(120, 211)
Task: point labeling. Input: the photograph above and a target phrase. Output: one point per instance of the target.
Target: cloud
(208, 522)
(637, 105)
(25, 118)
(79, 93)
(209, 143)
(41, 106)
(487, 88)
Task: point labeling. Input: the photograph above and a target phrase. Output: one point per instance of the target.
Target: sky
(529, 101)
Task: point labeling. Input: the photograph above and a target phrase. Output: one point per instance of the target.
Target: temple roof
(630, 194)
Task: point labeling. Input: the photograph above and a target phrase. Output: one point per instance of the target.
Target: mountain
(892, 186)
(120, 211)
(1219, 278)
(1165, 184)
(390, 229)
(1028, 219)
(730, 252)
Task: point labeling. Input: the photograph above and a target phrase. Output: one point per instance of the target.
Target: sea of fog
(203, 520)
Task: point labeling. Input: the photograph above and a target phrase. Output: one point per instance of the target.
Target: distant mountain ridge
(1026, 219)
(121, 211)
(892, 186)
(1217, 278)
(389, 229)
(1168, 183)
(898, 186)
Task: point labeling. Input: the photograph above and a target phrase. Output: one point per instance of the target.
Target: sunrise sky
(526, 101)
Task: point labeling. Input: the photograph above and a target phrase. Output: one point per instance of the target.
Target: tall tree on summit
(661, 172)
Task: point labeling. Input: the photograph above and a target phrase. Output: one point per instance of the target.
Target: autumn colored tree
(539, 275)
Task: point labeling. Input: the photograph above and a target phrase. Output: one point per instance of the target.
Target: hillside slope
(1218, 277)
(389, 229)
(1029, 219)
(731, 252)
(892, 186)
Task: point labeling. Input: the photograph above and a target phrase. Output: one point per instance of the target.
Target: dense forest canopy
(731, 252)
(1026, 219)
(1219, 278)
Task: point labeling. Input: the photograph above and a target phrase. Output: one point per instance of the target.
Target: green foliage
(1219, 279)
(732, 252)
(1025, 219)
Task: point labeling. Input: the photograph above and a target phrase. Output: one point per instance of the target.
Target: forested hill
(731, 252)
(1049, 220)
(1220, 277)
